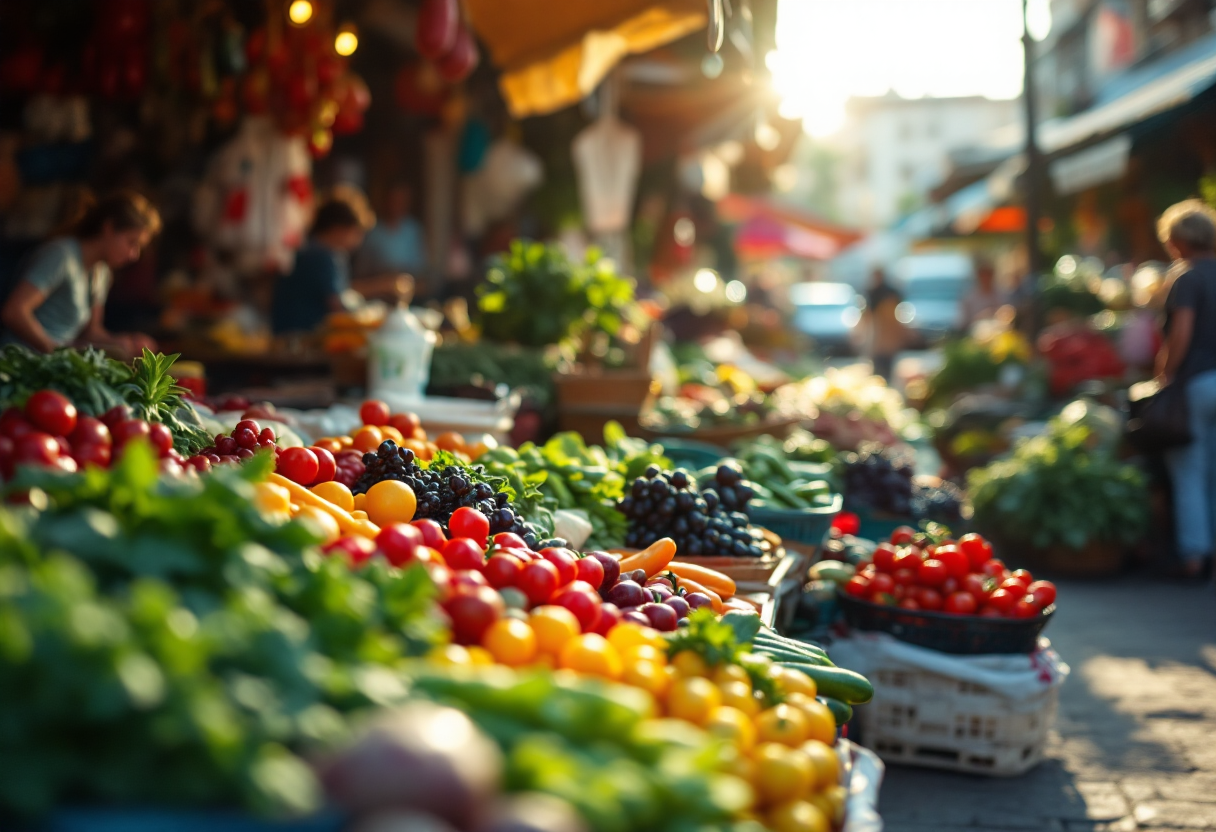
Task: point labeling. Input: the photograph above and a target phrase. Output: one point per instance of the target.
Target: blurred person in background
(395, 244)
(1188, 357)
(885, 335)
(60, 297)
(321, 272)
(984, 299)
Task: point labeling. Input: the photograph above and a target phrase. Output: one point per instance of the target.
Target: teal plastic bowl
(801, 525)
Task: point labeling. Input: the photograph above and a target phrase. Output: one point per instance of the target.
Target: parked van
(933, 286)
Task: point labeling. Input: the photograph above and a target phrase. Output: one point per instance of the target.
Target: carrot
(693, 586)
(654, 558)
(301, 496)
(715, 580)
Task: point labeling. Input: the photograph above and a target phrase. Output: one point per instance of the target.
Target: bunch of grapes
(880, 478)
(246, 439)
(663, 504)
(940, 503)
(734, 492)
(441, 492)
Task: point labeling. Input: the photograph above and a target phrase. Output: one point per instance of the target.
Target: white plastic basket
(974, 714)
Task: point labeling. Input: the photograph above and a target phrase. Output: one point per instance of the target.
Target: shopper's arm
(18, 316)
(1177, 342)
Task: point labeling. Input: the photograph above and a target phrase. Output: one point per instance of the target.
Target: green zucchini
(836, 682)
(842, 711)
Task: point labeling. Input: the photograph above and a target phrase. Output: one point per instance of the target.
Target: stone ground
(1135, 744)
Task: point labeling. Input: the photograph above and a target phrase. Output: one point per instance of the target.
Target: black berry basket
(958, 634)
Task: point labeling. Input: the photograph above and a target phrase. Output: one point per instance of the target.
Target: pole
(1034, 162)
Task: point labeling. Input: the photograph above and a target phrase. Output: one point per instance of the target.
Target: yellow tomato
(724, 673)
(591, 654)
(782, 773)
(554, 627)
(511, 642)
(643, 652)
(693, 699)
(390, 501)
(367, 438)
(689, 663)
(797, 816)
(645, 674)
(336, 493)
(321, 521)
(451, 655)
(359, 515)
(820, 724)
(823, 758)
(480, 656)
(784, 724)
(328, 443)
(628, 634)
(732, 725)
(360, 502)
(795, 681)
(739, 695)
(272, 499)
(740, 765)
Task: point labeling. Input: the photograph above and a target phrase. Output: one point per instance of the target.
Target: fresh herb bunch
(162, 643)
(95, 383)
(535, 295)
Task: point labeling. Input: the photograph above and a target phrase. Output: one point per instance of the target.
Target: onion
(628, 594)
(678, 604)
(696, 600)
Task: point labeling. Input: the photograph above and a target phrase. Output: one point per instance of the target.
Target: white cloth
(608, 160)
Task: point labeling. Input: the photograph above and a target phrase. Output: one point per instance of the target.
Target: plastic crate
(801, 525)
(927, 719)
(957, 634)
(691, 454)
(878, 525)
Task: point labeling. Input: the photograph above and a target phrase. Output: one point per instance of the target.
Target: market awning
(768, 229)
(553, 53)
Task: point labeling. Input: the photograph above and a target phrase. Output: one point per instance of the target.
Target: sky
(829, 50)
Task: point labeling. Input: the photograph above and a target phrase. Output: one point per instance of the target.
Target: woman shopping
(60, 298)
(1188, 357)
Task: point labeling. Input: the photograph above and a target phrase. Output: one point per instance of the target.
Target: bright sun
(830, 50)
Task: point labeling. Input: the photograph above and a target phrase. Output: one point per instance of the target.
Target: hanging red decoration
(459, 63)
(438, 24)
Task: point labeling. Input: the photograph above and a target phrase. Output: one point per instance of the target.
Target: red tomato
(585, 606)
(907, 558)
(905, 577)
(1025, 607)
(470, 523)
(846, 523)
(1002, 599)
(858, 586)
(432, 533)
(884, 557)
(538, 580)
(981, 586)
(299, 465)
(399, 542)
(949, 585)
(407, 423)
(1015, 586)
(1022, 575)
(507, 540)
(472, 613)
(882, 582)
(903, 535)
(932, 572)
(995, 568)
(909, 604)
(356, 548)
(93, 454)
(991, 612)
(502, 570)
(117, 413)
(929, 599)
(957, 565)
(610, 616)
(161, 438)
(374, 412)
(89, 431)
(590, 570)
(467, 580)
(564, 560)
(36, 449)
(462, 553)
(960, 603)
(327, 467)
(51, 412)
(128, 429)
(1044, 593)
(14, 425)
(977, 550)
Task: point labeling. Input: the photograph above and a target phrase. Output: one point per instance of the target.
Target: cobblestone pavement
(1135, 743)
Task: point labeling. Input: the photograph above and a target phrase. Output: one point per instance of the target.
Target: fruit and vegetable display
(970, 363)
(1075, 352)
(797, 446)
(773, 482)
(883, 479)
(918, 571)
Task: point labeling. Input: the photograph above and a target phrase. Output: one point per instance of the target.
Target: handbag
(1159, 418)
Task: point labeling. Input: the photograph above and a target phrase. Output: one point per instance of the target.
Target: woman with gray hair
(1188, 357)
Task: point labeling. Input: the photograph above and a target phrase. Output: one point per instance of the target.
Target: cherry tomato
(564, 560)
(356, 548)
(846, 523)
(36, 449)
(904, 577)
(161, 438)
(960, 603)
(117, 413)
(52, 412)
(327, 468)
(198, 462)
(266, 435)
(903, 535)
(462, 553)
(502, 570)
(467, 580)
(1002, 599)
(432, 533)
(929, 599)
(1015, 586)
(977, 550)
(472, 613)
(909, 604)
(92, 454)
(932, 572)
(470, 523)
(508, 540)
(128, 429)
(1022, 575)
(407, 423)
(884, 557)
(590, 570)
(1025, 607)
(374, 412)
(399, 542)
(887, 599)
(584, 604)
(1044, 593)
(14, 425)
(299, 465)
(610, 616)
(949, 586)
(957, 565)
(538, 580)
(858, 586)
(250, 425)
(995, 568)
(907, 558)
(89, 431)
(882, 582)
(981, 586)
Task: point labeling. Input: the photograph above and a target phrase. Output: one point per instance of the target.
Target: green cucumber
(771, 638)
(842, 711)
(836, 682)
(779, 655)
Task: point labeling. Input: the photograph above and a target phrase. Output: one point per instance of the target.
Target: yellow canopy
(553, 53)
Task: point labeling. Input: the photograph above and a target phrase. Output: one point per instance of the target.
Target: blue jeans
(1193, 472)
